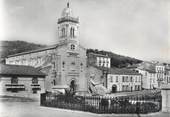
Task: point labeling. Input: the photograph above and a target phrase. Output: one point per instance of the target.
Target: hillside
(116, 60)
(13, 47)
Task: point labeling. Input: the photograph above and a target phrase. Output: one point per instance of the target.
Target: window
(81, 65)
(63, 32)
(53, 65)
(131, 79)
(136, 79)
(54, 82)
(111, 79)
(127, 79)
(73, 63)
(117, 79)
(139, 79)
(123, 79)
(72, 30)
(107, 63)
(103, 62)
(99, 62)
(63, 64)
(123, 88)
(14, 80)
(72, 46)
(169, 80)
(34, 80)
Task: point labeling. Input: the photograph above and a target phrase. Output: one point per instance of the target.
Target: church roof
(34, 51)
(41, 49)
(123, 71)
(98, 55)
(19, 70)
(119, 71)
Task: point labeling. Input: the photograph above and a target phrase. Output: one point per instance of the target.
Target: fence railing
(98, 104)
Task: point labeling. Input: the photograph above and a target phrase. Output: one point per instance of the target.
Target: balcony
(35, 87)
(68, 19)
(15, 87)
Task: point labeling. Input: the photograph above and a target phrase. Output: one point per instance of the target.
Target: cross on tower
(68, 4)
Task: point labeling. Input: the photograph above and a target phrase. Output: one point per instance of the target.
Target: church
(65, 62)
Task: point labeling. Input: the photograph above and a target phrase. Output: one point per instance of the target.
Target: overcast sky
(136, 28)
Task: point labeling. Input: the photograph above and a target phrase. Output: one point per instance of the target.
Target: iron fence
(100, 104)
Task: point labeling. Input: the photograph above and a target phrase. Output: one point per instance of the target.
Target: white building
(160, 71)
(167, 76)
(123, 80)
(99, 60)
(149, 78)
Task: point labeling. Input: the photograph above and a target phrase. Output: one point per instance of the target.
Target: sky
(135, 28)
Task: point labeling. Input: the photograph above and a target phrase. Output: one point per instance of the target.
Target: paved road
(32, 109)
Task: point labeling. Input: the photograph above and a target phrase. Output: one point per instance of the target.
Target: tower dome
(67, 11)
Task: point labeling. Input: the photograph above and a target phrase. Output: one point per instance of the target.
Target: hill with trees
(116, 59)
(13, 47)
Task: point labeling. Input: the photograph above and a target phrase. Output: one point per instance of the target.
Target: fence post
(165, 92)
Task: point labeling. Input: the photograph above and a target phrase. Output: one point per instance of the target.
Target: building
(160, 71)
(167, 76)
(65, 62)
(123, 80)
(149, 78)
(98, 60)
(154, 74)
(21, 81)
(114, 79)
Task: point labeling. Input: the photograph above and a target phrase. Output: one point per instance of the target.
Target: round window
(72, 46)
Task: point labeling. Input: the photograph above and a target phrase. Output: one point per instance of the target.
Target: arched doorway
(72, 86)
(114, 88)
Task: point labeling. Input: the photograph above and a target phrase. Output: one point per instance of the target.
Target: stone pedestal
(59, 88)
(165, 92)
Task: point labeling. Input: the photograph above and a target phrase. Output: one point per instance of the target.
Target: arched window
(81, 65)
(63, 32)
(63, 64)
(54, 82)
(72, 34)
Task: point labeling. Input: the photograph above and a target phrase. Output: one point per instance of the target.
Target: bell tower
(68, 26)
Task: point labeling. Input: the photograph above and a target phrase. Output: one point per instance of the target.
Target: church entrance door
(72, 86)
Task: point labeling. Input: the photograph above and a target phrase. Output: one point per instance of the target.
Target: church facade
(65, 62)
